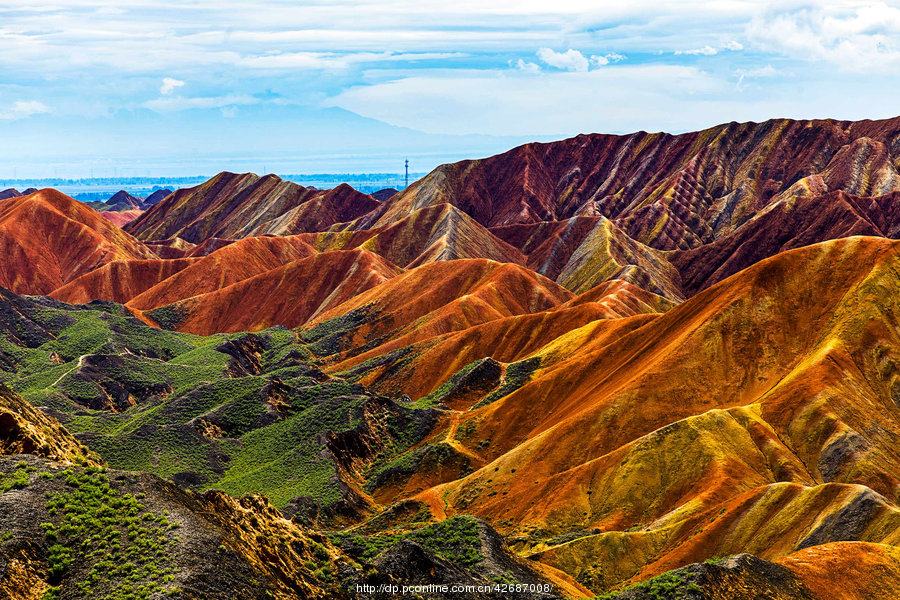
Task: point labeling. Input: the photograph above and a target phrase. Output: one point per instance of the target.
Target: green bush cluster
(668, 586)
(128, 549)
(457, 539)
(261, 450)
(16, 480)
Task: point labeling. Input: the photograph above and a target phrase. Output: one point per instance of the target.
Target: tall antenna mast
(406, 185)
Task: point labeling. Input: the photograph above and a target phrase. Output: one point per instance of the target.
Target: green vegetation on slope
(243, 413)
(457, 539)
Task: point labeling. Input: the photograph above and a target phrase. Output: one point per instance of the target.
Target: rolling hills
(633, 366)
(48, 239)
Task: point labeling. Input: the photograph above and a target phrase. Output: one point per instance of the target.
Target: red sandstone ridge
(48, 239)
(441, 297)
(435, 233)
(121, 218)
(289, 295)
(667, 191)
(120, 280)
(226, 266)
(231, 205)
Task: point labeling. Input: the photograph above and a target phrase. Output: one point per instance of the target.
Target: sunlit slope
(418, 369)
(120, 280)
(848, 570)
(431, 300)
(226, 266)
(782, 373)
(48, 239)
(434, 233)
(289, 295)
(607, 253)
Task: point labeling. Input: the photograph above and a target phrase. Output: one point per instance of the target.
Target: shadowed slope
(227, 265)
(323, 209)
(801, 218)
(289, 295)
(48, 239)
(550, 244)
(156, 197)
(122, 200)
(120, 280)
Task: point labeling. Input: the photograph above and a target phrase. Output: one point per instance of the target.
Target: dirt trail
(450, 439)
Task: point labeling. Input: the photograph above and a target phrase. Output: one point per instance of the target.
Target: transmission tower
(406, 180)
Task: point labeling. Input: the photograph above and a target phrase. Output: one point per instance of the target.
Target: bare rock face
(38, 260)
(24, 430)
(156, 197)
(245, 355)
(150, 536)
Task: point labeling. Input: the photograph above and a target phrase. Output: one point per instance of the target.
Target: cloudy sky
(186, 86)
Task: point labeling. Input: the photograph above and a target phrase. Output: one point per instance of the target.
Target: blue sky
(165, 87)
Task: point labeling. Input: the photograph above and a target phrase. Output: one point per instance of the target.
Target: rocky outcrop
(741, 577)
(25, 430)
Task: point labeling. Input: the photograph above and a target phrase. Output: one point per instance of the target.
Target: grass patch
(457, 539)
(127, 549)
(668, 586)
(517, 375)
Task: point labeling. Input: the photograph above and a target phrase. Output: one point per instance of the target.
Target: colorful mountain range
(638, 366)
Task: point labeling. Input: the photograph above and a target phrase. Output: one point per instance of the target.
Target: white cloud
(755, 73)
(526, 66)
(705, 51)
(332, 61)
(169, 85)
(708, 50)
(294, 61)
(605, 59)
(500, 103)
(766, 71)
(864, 36)
(24, 108)
(570, 60)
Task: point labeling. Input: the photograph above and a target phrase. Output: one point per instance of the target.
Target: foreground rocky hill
(74, 529)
